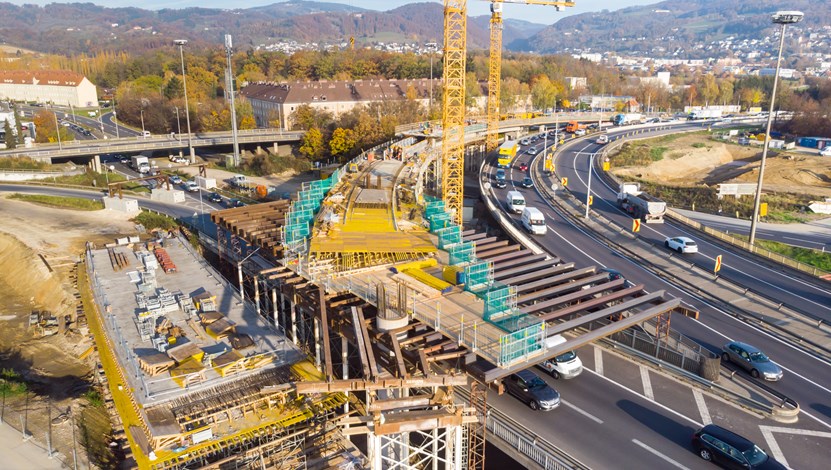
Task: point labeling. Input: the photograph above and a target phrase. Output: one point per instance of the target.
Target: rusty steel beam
(606, 312)
(354, 385)
(324, 323)
(594, 302)
(503, 265)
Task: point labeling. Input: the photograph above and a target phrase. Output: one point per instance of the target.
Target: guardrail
(524, 440)
(724, 237)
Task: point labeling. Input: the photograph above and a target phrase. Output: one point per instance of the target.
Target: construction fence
(55, 429)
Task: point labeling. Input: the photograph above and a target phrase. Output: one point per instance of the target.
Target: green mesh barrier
(449, 236)
(462, 253)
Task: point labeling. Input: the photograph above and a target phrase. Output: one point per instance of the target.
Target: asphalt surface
(806, 377)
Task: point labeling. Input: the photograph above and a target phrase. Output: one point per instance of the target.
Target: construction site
(357, 325)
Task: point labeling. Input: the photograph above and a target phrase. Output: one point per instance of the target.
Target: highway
(806, 377)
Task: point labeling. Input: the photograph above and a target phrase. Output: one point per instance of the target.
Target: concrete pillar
(241, 289)
(275, 308)
(257, 292)
(96, 163)
(259, 150)
(276, 148)
(293, 319)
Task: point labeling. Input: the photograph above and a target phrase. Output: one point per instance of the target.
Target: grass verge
(151, 220)
(815, 258)
(76, 203)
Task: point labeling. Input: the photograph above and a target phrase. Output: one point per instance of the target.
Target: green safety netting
(449, 236)
(521, 343)
(478, 276)
(462, 253)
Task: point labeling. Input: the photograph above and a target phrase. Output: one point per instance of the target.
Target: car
(752, 360)
(653, 120)
(215, 197)
(532, 151)
(499, 179)
(531, 389)
(123, 159)
(681, 244)
(174, 179)
(191, 186)
(235, 203)
(524, 142)
(527, 182)
(602, 139)
(523, 167)
(826, 152)
(728, 449)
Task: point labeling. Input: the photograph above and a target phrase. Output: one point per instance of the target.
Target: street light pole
(228, 47)
(178, 125)
(143, 135)
(58, 131)
(589, 186)
(784, 18)
(181, 43)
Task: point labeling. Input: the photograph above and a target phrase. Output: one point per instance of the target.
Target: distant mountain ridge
(671, 25)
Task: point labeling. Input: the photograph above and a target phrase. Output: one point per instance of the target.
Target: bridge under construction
(370, 330)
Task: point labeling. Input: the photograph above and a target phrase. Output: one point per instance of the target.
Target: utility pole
(228, 49)
(181, 43)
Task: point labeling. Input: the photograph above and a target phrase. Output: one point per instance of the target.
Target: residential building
(272, 101)
(58, 87)
(574, 83)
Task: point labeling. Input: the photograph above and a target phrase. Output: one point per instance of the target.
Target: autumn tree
(342, 142)
(48, 129)
(11, 141)
(544, 92)
(311, 145)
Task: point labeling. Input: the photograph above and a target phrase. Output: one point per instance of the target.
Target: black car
(235, 203)
(215, 197)
(527, 182)
(528, 387)
(728, 449)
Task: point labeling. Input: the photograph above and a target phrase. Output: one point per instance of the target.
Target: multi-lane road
(807, 378)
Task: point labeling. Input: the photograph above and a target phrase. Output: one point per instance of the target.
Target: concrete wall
(171, 196)
(129, 206)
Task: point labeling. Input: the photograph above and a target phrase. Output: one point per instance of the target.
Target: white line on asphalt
(702, 406)
(647, 384)
(773, 446)
(663, 407)
(803, 240)
(574, 246)
(598, 360)
(658, 454)
(799, 432)
(582, 412)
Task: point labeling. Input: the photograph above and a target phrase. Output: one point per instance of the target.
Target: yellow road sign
(591, 199)
(763, 209)
(718, 264)
(636, 225)
(564, 181)
(607, 166)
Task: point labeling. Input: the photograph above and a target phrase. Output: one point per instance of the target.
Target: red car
(523, 167)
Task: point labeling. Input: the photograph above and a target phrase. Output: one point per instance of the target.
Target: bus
(507, 152)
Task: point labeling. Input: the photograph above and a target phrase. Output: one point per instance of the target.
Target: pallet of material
(221, 328)
(206, 318)
(117, 259)
(155, 364)
(165, 262)
(184, 352)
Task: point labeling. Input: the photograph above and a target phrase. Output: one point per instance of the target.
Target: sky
(533, 13)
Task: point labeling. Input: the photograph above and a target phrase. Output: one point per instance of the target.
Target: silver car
(752, 360)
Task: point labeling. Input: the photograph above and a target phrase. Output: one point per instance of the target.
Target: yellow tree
(342, 141)
(48, 128)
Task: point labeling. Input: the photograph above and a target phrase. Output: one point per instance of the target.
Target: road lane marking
(658, 454)
(773, 446)
(582, 412)
(647, 384)
(702, 407)
(598, 360)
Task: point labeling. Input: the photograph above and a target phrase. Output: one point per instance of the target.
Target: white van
(567, 365)
(515, 202)
(534, 221)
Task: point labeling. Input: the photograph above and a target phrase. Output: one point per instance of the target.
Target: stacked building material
(165, 262)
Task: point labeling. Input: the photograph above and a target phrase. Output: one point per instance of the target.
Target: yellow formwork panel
(421, 264)
(428, 279)
(366, 243)
(369, 220)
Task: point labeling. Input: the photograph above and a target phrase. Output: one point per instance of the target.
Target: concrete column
(96, 164)
(317, 339)
(293, 319)
(275, 308)
(241, 289)
(257, 292)
(276, 148)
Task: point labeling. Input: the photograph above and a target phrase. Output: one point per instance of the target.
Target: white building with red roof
(60, 87)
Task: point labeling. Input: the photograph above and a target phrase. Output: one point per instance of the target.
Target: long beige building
(59, 87)
(273, 101)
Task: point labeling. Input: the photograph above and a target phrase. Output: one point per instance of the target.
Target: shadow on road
(669, 428)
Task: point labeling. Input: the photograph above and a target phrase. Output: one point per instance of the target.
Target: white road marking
(582, 412)
(658, 454)
(702, 406)
(803, 240)
(773, 446)
(550, 228)
(647, 384)
(598, 360)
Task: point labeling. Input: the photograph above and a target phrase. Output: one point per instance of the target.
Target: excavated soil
(718, 162)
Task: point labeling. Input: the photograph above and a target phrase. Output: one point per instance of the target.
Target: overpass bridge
(51, 152)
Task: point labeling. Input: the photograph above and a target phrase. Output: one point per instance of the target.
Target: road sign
(636, 225)
(564, 181)
(763, 209)
(591, 199)
(718, 264)
(607, 166)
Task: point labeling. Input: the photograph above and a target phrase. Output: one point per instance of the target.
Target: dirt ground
(27, 233)
(716, 162)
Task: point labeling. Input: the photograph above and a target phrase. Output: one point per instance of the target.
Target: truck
(704, 114)
(140, 163)
(574, 126)
(515, 202)
(625, 119)
(242, 182)
(507, 152)
(640, 205)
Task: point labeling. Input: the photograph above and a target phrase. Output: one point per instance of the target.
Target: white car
(826, 152)
(681, 245)
(580, 132)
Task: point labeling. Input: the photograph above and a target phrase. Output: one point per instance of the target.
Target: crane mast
(453, 117)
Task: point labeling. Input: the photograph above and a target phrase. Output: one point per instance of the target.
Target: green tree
(472, 89)
(174, 89)
(543, 92)
(709, 89)
(11, 141)
(311, 145)
(725, 92)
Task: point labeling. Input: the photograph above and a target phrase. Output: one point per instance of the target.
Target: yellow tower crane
(495, 63)
(453, 117)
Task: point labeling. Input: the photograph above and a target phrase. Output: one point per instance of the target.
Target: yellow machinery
(495, 66)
